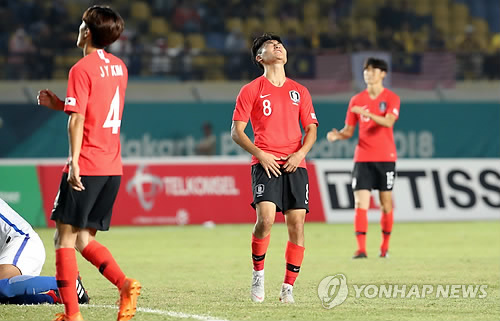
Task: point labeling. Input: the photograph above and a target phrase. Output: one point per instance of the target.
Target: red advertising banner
(167, 193)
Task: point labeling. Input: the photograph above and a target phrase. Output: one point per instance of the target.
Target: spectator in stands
(20, 55)
(207, 145)
(334, 38)
(135, 62)
(186, 17)
(236, 53)
(122, 47)
(187, 70)
(389, 16)
(160, 58)
(45, 52)
(469, 55)
(492, 60)
(386, 41)
(436, 41)
(405, 39)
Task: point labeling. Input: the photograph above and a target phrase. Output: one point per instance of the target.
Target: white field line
(173, 314)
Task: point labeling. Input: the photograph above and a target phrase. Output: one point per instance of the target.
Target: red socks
(360, 227)
(66, 274)
(294, 255)
(259, 249)
(100, 256)
(386, 221)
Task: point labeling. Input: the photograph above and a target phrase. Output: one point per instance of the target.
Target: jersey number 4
(113, 119)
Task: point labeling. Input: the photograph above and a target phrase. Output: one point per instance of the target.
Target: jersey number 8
(267, 107)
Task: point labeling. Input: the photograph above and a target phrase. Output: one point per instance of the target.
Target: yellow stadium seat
(252, 25)
(272, 25)
(158, 26)
(140, 10)
(459, 11)
(59, 61)
(480, 25)
(292, 24)
(233, 24)
(363, 8)
(271, 8)
(495, 43)
(196, 40)
(74, 10)
(311, 10)
(60, 73)
(69, 61)
(175, 40)
(368, 28)
(422, 7)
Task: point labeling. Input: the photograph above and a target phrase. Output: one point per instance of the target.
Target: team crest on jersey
(294, 96)
(259, 190)
(382, 106)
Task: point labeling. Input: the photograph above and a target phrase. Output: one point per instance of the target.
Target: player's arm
(268, 161)
(387, 121)
(293, 160)
(47, 98)
(344, 133)
(75, 133)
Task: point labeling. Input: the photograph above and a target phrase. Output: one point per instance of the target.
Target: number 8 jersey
(276, 114)
(96, 90)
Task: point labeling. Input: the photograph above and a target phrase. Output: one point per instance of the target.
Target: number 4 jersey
(96, 90)
(276, 114)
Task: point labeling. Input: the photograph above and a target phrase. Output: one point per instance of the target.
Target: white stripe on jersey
(11, 224)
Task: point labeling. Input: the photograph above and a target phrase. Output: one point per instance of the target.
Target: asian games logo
(137, 184)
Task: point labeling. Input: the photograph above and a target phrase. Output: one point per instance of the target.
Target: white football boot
(286, 293)
(257, 292)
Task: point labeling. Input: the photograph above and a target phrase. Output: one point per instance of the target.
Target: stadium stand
(422, 36)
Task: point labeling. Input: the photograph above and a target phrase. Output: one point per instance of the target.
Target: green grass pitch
(198, 273)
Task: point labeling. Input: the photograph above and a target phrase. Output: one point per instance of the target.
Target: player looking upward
(91, 177)
(376, 109)
(276, 106)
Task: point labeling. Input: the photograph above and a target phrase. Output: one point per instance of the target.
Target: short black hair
(257, 45)
(376, 63)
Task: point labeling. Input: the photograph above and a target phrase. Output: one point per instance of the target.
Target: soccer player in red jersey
(376, 109)
(276, 106)
(91, 177)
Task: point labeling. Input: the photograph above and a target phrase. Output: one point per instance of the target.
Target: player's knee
(265, 222)
(296, 227)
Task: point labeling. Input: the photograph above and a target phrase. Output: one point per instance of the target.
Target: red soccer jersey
(275, 113)
(376, 143)
(96, 90)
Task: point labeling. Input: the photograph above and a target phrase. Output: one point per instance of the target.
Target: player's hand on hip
(47, 98)
(269, 163)
(74, 179)
(292, 162)
(332, 135)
